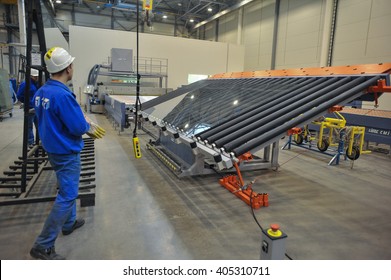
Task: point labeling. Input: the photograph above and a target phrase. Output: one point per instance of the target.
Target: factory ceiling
(187, 13)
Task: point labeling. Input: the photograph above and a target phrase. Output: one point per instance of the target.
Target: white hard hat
(34, 72)
(57, 59)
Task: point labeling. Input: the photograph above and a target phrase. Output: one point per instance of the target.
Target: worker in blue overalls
(20, 95)
(61, 124)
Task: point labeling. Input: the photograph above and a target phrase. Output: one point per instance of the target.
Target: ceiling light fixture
(58, 1)
(191, 20)
(210, 9)
(164, 16)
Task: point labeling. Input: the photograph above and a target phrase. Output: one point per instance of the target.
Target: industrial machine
(209, 125)
(331, 132)
(111, 87)
(377, 124)
(118, 109)
(117, 76)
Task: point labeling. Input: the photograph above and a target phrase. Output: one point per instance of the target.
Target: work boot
(78, 223)
(45, 254)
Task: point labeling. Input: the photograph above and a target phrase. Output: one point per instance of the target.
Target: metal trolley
(6, 104)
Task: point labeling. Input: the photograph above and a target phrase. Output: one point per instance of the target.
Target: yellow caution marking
(162, 157)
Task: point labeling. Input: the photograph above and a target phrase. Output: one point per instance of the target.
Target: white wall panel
(264, 61)
(300, 9)
(302, 41)
(380, 26)
(258, 23)
(228, 28)
(210, 31)
(353, 11)
(250, 63)
(92, 46)
(54, 38)
(235, 58)
(299, 33)
(375, 49)
(298, 58)
(365, 35)
(251, 34)
(380, 8)
(352, 32)
(304, 25)
(347, 52)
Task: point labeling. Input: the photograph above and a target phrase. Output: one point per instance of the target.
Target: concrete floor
(143, 211)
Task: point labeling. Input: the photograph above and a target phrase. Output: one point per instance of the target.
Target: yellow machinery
(334, 132)
(355, 136)
(334, 126)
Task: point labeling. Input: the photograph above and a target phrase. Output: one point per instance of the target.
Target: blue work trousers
(63, 213)
(31, 120)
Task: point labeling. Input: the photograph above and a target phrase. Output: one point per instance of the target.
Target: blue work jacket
(22, 88)
(61, 122)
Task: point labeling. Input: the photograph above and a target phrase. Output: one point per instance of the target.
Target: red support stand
(235, 184)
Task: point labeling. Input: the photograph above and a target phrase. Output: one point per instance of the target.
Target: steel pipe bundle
(358, 86)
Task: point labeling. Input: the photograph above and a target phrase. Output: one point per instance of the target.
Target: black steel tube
(356, 86)
(247, 95)
(205, 98)
(137, 103)
(30, 8)
(264, 109)
(257, 107)
(180, 91)
(273, 111)
(288, 114)
(37, 16)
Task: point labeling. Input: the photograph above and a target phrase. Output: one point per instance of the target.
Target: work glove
(95, 131)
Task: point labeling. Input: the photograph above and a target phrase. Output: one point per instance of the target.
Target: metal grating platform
(39, 187)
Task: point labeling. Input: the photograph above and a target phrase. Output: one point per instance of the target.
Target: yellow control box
(136, 147)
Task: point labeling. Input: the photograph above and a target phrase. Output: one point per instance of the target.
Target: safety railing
(151, 65)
